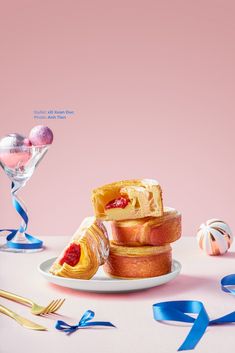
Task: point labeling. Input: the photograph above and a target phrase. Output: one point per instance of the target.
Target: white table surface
(131, 312)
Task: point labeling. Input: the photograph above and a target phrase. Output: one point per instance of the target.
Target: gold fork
(36, 309)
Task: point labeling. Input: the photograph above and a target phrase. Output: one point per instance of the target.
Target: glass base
(5, 248)
(19, 238)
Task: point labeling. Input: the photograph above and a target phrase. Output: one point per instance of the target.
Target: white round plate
(102, 283)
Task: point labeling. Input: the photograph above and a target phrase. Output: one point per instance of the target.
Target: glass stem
(20, 235)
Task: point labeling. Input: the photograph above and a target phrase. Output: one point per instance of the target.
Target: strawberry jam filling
(120, 202)
(71, 255)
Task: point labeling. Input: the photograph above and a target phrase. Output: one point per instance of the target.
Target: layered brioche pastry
(129, 199)
(86, 251)
(148, 231)
(138, 262)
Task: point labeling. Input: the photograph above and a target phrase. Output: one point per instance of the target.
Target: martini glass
(19, 164)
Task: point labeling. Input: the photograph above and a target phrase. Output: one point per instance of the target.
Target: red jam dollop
(120, 202)
(71, 255)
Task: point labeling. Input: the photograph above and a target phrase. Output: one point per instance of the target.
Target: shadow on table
(182, 284)
(228, 255)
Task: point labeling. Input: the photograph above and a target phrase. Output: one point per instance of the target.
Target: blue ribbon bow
(34, 243)
(84, 322)
(179, 310)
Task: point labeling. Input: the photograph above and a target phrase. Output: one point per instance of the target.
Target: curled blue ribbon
(179, 310)
(84, 322)
(228, 280)
(34, 243)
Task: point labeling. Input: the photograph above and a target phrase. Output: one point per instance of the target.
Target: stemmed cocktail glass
(19, 163)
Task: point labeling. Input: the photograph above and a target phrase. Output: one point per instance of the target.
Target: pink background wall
(152, 84)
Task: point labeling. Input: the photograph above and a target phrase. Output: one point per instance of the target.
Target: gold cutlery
(36, 309)
(21, 320)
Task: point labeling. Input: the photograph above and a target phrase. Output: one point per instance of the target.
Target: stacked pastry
(142, 229)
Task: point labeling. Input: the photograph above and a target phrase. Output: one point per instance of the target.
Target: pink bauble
(41, 135)
(15, 160)
(13, 151)
(27, 142)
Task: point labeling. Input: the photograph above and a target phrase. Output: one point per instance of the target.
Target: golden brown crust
(144, 195)
(138, 262)
(154, 231)
(93, 240)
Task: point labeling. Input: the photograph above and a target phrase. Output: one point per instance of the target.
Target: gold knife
(21, 320)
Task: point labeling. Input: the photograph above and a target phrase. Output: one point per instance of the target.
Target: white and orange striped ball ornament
(214, 237)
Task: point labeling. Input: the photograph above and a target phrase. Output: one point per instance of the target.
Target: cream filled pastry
(148, 231)
(86, 251)
(129, 199)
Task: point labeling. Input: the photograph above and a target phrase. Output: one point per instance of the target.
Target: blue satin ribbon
(228, 281)
(179, 310)
(34, 243)
(84, 322)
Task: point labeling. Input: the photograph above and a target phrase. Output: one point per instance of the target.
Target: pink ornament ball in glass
(15, 160)
(41, 135)
(27, 142)
(13, 152)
